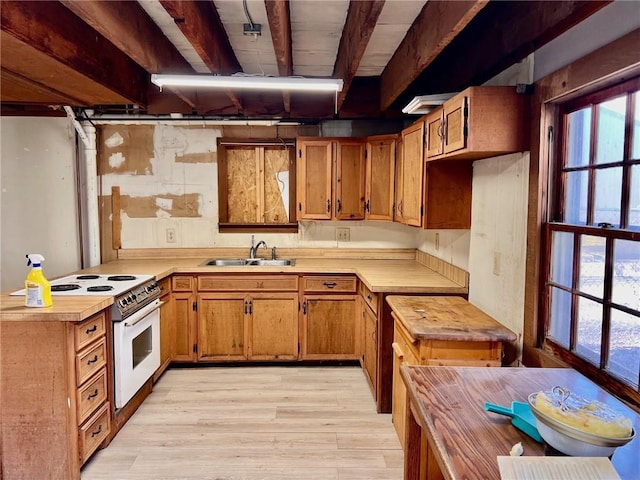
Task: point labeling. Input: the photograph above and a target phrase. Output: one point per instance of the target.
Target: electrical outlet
(342, 234)
(171, 235)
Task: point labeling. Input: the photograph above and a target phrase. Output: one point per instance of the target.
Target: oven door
(136, 351)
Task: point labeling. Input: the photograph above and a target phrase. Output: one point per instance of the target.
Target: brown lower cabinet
(56, 404)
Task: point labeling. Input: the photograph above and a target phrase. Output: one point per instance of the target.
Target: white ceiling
(316, 29)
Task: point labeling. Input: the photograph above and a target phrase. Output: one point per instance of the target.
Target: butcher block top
(447, 318)
(64, 309)
(448, 403)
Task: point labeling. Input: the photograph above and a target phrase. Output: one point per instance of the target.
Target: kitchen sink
(241, 262)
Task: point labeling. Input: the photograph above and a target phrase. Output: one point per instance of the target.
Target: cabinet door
(222, 326)
(350, 180)
(370, 329)
(184, 341)
(329, 324)
(455, 123)
(314, 167)
(398, 198)
(399, 402)
(412, 174)
(273, 326)
(434, 133)
(380, 177)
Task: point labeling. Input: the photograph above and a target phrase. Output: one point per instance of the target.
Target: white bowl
(572, 441)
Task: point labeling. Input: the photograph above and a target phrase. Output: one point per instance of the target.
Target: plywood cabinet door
(314, 171)
(329, 324)
(273, 326)
(350, 180)
(380, 177)
(222, 332)
(412, 175)
(184, 341)
(370, 339)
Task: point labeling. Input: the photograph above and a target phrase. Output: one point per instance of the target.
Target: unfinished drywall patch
(125, 149)
(161, 206)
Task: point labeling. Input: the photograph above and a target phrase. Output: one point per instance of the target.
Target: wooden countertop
(64, 309)
(379, 275)
(398, 276)
(448, 403)
(447, 318)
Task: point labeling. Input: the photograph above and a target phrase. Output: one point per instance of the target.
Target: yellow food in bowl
(591, 417)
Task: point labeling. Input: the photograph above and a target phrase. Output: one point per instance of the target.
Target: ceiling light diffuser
(425, 103)
(249, 82)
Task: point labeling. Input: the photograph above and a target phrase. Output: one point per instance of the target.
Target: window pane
(626, 274)
(608, 194)
(635, 149)
(589, 330)
(560, 326)
(611, 117)
(576, 199)
(562, 259)
(634, 197)
(591, 279)
(578, 139)
(624, 349)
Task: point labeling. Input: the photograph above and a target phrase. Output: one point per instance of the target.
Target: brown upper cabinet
(380, 177)
(331, 179)
(410, 176)
(479, 122)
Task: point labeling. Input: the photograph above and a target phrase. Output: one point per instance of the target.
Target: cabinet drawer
(182, 283)
(89, 330)
(90, 360)
(94, 432)
(329, 284)
(268, 283)
(369, 297)
(165, 286)
(92, 395)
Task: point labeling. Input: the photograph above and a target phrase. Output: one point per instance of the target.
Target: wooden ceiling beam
(439, 22)
(279, 16)
(128, 27)
(502, 34)
(362, 17)
(201, 25)
(13, 78)
(53, 30)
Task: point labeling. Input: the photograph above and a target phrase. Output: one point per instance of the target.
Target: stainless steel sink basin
(242, 262)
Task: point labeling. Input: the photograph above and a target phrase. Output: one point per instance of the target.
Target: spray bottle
(37, 288)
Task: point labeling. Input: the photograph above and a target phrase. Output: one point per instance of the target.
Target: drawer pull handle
(330, 284)
(93, 395)
(369, 297)
(92, 329)
(98, 431)
(93, 360)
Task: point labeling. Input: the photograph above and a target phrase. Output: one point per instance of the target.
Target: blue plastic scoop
(521, 417)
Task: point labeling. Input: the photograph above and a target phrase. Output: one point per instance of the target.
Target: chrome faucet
(253, 249)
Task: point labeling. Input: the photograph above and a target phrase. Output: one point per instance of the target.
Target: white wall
(497, 250)
(608, 24)
(169, 176)
(38, 201)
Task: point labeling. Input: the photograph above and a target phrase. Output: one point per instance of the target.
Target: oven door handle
(144, 313)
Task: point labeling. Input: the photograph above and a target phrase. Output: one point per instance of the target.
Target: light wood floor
(254, 423)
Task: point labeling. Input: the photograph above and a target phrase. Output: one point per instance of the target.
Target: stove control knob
(123, 302)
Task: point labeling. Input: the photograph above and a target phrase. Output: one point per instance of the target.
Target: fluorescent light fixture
(249, 82)
(425, 103)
